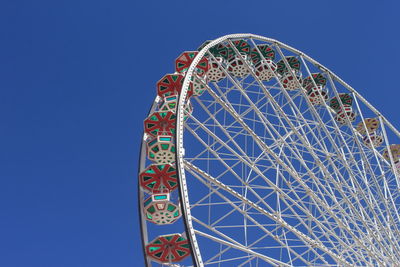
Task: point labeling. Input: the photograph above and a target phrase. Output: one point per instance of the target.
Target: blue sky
(78, 77)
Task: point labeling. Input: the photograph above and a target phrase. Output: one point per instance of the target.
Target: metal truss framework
(269, 179)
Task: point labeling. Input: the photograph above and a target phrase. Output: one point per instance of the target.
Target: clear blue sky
(77, 78)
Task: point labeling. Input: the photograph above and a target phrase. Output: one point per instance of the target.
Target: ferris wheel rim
(183, 192)
(141, 166)
(182, 164)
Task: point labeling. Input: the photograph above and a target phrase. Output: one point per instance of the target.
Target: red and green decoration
(373, 140)
(183, 62)
(170, 103)
(199, 83)
(237, 67)
(291, 82)
(371, 124)
(293, 62)
(317, 95)
(266, 51)
(168, 248)
(215, 73)
(346, 99)
(346, 113)
(160, 123)
(161, 149)
(226, 51)
(241, 45)
(318, 78)
(158, 178)
(160, 210)
(171, 84)
(265, 71)
(219, 50)
(395, 149)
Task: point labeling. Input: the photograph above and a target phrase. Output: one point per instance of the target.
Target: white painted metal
(270, 179)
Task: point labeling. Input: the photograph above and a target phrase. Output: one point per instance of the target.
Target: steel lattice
(279, 162)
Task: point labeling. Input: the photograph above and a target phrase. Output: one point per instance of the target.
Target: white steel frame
(350, 217)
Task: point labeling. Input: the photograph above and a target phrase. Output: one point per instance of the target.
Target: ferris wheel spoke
(382, 176)
(278, 50)
(293, 202)
(363, 154)
(250, 245)
(377, 186)
(253, 220)
(306, 240)
(272, 170)
(244, 249)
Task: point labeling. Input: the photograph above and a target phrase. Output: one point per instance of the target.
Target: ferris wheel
(254, 154)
